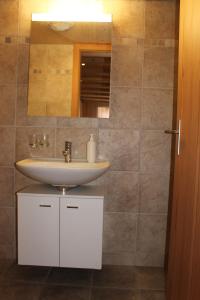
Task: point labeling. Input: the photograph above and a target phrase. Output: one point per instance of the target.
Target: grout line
(137, 289)
(91, 284)
(59, 225)
(55, 141)
(47, 276)
(145, 87)
(136, 236)
(101, 128)
(153, 214)
(14, 242)
(8, 167)
(134, 213)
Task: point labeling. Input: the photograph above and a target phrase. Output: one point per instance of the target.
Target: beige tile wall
(142, 83)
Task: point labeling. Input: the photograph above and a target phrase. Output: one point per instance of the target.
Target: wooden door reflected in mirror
(91, 80)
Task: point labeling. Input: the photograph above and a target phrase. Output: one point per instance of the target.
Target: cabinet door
(38, 231)
(81, 225)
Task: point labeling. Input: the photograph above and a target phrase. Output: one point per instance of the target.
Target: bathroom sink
(58, 173)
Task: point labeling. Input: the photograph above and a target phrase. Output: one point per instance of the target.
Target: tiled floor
(111, 283)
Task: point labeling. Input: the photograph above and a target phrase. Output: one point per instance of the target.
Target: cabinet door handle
(73, 207)
(45, 205)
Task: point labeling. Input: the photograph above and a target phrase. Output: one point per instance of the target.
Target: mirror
(69, 69)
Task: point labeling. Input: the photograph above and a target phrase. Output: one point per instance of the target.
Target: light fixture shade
(61, 26)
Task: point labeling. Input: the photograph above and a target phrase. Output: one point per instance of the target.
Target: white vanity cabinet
(38, 230)
(60, 230)
(81, 222)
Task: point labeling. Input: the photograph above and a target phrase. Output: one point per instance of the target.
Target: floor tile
(65, 293)
(113, 294)
(110, 283)
(19, 291)
(32, 274)
(5, 265)
(68, 276)
(151, 295)
(115, 276)
(150, 278)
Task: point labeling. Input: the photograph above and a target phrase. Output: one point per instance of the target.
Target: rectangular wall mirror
(69, 69)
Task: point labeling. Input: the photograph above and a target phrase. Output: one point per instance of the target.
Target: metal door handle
(45, 205)
(176, 131)
(173, 131)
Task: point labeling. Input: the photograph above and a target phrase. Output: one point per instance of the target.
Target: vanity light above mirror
(74, 11)
(52, 17)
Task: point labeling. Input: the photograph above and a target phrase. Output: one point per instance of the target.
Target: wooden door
(184, 253)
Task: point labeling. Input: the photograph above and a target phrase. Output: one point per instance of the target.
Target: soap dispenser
(91, 149)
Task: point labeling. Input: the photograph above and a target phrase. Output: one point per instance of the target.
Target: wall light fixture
(75, 11)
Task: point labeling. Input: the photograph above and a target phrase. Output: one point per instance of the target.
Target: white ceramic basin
(57, 172)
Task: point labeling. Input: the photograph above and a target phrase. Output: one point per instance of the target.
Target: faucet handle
(68, 145)
(67, 151)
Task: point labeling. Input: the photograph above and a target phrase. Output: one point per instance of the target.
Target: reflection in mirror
(95, 84)
(69, 69)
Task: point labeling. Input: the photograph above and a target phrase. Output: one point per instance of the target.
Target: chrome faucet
(67, 152)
